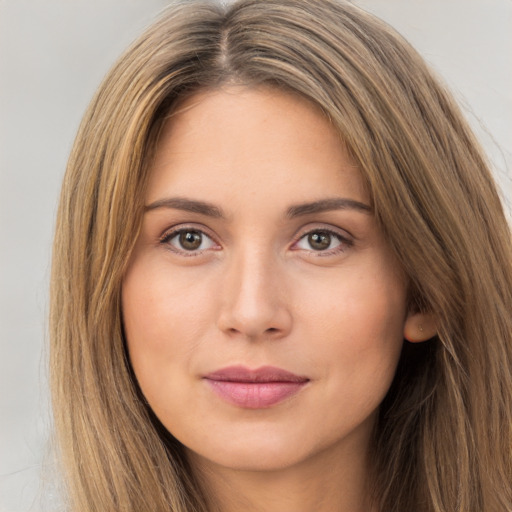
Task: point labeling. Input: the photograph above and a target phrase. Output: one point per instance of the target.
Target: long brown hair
(444, 436)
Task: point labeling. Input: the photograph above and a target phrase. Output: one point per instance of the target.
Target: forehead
(236, 140)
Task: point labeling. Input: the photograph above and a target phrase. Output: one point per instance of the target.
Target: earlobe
(420, 327)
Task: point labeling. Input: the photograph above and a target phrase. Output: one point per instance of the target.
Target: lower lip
(255, 395)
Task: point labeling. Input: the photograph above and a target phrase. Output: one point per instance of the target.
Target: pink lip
(254, 389)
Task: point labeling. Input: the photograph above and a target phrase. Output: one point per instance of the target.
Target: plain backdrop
(53, 53)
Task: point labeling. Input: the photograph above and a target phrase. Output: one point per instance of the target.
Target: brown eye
(324, 242)
(190, 240)
(319, 241)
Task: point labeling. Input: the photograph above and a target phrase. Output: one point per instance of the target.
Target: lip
(258, 388)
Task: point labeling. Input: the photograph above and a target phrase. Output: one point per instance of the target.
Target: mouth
(254, 389)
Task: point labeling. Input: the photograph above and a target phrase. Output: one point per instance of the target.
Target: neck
(323, 483)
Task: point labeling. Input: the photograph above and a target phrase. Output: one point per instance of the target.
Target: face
(263, 310)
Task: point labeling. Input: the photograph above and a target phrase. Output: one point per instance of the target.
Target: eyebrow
(188, 205)
(298, 210)
(325, 205)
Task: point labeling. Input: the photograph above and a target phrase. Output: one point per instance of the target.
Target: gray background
(53, 54)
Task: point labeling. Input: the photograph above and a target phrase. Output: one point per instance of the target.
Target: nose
(254, 301)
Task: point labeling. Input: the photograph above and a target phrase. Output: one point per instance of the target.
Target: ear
(420, 327)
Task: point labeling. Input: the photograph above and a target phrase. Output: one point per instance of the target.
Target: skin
(257, 292)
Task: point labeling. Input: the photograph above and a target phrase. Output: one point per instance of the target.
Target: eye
(188, 240)
(323, 241)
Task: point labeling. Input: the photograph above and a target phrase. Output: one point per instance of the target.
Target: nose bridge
(254, 303)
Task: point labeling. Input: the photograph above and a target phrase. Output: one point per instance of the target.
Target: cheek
(367, 306)
(359, 332)
(157, 302)
(163, 324)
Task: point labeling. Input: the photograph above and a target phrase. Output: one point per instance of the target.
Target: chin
(264, 453)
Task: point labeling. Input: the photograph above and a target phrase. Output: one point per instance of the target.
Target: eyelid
(346, 239)
(173, 231)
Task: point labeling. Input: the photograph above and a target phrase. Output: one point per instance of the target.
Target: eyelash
(168, 236)
(344, 242)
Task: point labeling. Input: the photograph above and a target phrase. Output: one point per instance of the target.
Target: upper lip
(262, 374)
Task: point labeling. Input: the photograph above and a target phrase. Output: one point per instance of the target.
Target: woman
(282, 276)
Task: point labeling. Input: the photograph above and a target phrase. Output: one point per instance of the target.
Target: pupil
(190, 240)
(319, 241)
